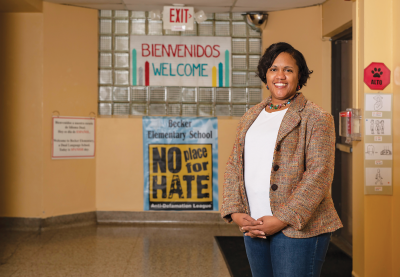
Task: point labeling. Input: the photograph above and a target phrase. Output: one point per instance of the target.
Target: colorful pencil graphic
(147, 74)
(227, 68)
(214, 76)
(134, 74)
(220, 75)
(140, 76)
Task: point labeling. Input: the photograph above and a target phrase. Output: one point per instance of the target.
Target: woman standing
(278, 176)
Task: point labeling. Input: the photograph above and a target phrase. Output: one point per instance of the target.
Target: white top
(258, 155)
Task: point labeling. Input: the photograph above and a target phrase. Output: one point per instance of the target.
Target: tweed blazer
(301, 171)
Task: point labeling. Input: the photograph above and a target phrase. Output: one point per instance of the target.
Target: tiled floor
(116, 250)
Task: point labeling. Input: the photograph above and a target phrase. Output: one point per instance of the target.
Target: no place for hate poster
(180, 61)
(180, 163)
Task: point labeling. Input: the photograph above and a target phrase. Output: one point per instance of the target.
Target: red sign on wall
(377, 76)
(178, 18)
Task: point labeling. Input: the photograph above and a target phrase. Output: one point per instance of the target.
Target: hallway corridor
(115, 250)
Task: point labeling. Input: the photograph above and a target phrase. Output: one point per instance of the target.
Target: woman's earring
(267, 87)
(298, 88)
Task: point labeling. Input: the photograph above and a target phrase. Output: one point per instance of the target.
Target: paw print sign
(377, 76)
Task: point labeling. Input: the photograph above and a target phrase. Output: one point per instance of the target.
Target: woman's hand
(244, 220)
(269, 226)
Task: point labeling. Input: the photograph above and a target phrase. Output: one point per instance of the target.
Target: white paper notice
(378, 127)
(378, 176)
(73, 137)
(378, 151)
(378, 102)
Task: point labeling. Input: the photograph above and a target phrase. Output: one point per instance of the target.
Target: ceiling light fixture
(155, 15)
(200, 16)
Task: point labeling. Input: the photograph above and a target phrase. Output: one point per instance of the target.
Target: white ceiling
(206, 5)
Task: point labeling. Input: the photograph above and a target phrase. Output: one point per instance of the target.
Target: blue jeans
(281, 256)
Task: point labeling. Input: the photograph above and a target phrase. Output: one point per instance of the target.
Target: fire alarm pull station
(349, 124)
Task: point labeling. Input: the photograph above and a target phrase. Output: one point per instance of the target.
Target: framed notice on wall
(73, 137)
(180, 156)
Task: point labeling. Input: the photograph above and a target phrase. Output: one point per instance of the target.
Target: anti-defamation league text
(181, 206)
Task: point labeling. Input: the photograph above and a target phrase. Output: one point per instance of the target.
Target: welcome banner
(180, 61)
(180, 163)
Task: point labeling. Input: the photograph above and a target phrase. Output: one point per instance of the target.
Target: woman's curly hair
(273, 51)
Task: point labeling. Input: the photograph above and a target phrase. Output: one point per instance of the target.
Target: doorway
(342, 99)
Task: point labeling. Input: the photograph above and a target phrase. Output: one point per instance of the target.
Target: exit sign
(178, 18)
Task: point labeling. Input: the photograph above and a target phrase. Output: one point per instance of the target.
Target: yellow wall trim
(339, 29)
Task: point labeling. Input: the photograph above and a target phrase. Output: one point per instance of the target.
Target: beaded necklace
(272, 106)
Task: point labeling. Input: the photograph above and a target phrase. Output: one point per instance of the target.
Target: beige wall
(69, 87)
(21, 89)
(395, 208)
(379, 216)
(119, 168)
(48, 62)
(336, 17)
(119, 164)
(376, 218)
(302, 29)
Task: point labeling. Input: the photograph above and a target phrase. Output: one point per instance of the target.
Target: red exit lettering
(179, 15)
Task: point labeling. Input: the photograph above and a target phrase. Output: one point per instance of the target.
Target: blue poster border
(199, 122)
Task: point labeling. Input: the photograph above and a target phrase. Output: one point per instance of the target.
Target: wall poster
(180, 61)
(378, 143)
(180, 163)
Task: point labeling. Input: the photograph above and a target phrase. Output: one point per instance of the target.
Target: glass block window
(117, 97)
(253, 61)
(123, 14)
(174, 94)
(121, 43)
(105, 109)
(239, 29)
(105, 93)
(155, 28)
(255, 46)
(139, 94)
(157, 109)
(222, 16)
(121, 60)
(206, 28)
(139, 109)
(121, 108)
(222, 28)
(238, 16)
(238, 110)
(138, 14)
(106, 26)
(239, 95)
(105, 60)
(223, 95)
(239, 62)
(105, 43)
(121, 27)
(239, 46)
(121, 94)
(138, 26)
(174, 109)
(105, 13)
